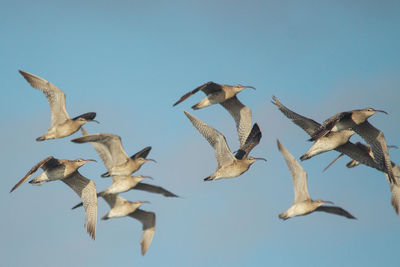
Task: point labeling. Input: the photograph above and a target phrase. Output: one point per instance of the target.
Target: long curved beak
(378, 110)
(328, 202)
(148, 202)
(249, 87)
(151, 178)
(87, 160)
(150, 160)
(95, 121)
(260, 159)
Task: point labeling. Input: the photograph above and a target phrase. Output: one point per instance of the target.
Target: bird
(328, 142)
(303, 204)
(125, 183)
(350, 149)
(67, 171)
(344, 120)
(228, 165)
(61, 124)
(121, 207)
(215, 93)
(353, 163)
(114, 157)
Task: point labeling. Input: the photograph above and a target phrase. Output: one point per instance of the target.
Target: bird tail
(41, 138)
(104, 175)
(77, 206)
(208, 178)
(304, 157)
(283, 216)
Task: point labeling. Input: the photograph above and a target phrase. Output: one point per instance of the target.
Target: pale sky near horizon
(129, 61)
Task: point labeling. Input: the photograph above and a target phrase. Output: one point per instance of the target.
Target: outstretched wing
(336, 210)
(252, 140)
(86, 190)
(308, 125)
(55, 97)
(299, 175)
(242, 116)
(376, 140)
(207, 88)
(216, 139)
(32, 171)
(108, 146)
(148, 220)
(328, 125)
(154, 189)
(142, 153)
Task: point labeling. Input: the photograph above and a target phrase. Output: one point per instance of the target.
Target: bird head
(368, 112)
(80, 162)
(84, 118)
(252, 159)
(141, 161)
(239, 87)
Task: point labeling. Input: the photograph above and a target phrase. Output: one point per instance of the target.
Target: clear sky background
(129, 61)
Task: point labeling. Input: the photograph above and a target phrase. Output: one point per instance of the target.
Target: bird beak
(150, 160)
(147, 177)
(249, 87)
(328, 202)
(260, 159)
(378, 110)
(95, 121)
(142, 202)
(87, 160)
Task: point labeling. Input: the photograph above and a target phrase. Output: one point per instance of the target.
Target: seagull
(67, 171)
(303, 204)
(109, 148)
(61, 124)
(228, 165)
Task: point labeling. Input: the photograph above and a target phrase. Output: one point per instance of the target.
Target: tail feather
(208, 178)
(106, 174)
(41, 138)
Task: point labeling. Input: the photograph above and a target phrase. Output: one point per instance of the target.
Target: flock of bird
(333, 134)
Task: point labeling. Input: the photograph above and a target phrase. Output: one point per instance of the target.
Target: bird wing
(252, 140)
(376, 140)
(148, 220)
(142, 153)
(86, 190)
(207, 88)
(335, 210)
(242, 116)
(328, 125)
(113, 199)
(154, 189)
(308, 125)
(216, 139)
(108, 146)
(55, 97)
(299, 175)
(32, 171)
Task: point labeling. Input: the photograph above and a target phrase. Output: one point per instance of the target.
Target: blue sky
(129, 61)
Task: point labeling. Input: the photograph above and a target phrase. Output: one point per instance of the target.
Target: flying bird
(350, 149)
(114, 157)
(67, 171)
(303, 204)
(215, 93)
(343, 121)
(61, 124)
(229, 166)
(121, 207)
